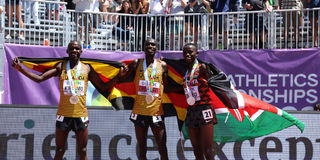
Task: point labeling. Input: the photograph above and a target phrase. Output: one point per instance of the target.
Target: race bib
(79, 87)
(59, 118)
(142, 89)
(207, 114)
(133, 116)
(84, 119)
(156, 119)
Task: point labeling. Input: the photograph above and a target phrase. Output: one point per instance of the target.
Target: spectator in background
(193, 22)
(220, 21)
(234, 6)
(14, 6)
(124, 24)
(140, 7)
(274, 4)
(95, 20)
(84, 20)
(291, 18)
(314, 17)
(53, 6)
(158, 8)
(70, 5)
(176, 7)
(32, 8)
(103, 6)
(110, 6)
(252, 20)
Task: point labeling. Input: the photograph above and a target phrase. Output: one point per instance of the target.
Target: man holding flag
(72, 112)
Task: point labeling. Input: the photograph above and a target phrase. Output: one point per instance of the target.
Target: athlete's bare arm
(98, 83)
(127, 70)
(35, 77)
(204, 71)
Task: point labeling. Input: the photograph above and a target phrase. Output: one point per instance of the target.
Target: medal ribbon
(149, 84)
(190, 76)
(73, 83)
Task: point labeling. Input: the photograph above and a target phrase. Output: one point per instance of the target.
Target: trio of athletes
(151, 82)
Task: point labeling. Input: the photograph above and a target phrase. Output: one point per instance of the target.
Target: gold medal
(74, 99)
(149, 99)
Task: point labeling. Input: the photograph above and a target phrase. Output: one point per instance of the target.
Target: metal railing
(284, 29)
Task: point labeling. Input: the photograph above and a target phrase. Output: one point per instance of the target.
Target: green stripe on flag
(235, 130)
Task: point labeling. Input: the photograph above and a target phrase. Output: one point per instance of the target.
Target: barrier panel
(287, 79)
(27, 132)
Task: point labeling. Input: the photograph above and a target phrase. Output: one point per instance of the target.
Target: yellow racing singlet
(81, 83)
(140, 105)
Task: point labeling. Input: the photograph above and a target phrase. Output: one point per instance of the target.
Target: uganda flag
(239, 116)
(105, 69)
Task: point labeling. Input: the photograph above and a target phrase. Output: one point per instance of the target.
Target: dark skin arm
(127, 70)
(37, 78)
(99, 84)
(204, 71)
(93, 76)
(165, 76)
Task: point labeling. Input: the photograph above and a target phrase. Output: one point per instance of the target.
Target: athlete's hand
(123, 71)
(16, 64)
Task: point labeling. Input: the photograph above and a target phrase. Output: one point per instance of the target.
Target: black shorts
(74, 124)
(200, 115)
(146, 121)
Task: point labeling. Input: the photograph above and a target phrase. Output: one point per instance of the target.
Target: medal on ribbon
(74, 99)
(149, 84)
(191, 100)
(149, 99)
(73, 83)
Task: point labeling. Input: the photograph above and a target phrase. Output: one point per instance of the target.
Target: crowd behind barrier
(124, 25)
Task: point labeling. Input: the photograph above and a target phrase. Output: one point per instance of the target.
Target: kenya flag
(239, 116)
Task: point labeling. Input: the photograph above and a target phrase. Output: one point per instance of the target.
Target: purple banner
(288, 79)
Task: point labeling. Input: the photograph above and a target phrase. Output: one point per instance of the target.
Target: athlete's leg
(82, 141)
(141, 135)
(196, 142)
(61, 139)
(161, 139)
(206, 135)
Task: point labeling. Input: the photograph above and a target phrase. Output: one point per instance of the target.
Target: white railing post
(66, 28)
(204, 28)
(272, 42)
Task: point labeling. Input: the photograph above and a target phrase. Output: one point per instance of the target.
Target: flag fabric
(105, 69)
(239, 116)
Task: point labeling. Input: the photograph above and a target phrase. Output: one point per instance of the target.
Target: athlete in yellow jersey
(150, 80)
(72, 112)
